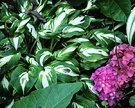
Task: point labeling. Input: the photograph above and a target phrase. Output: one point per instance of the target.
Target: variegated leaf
(23, 80)
(107, 38)
(65, 8)
(9, 62)
(65, 53)
(68, 67)
(130, 27)
(31, 60)
(41, 5)
(92, 56)
(46, 77)
(5, 83)
(16, 41)
(90, 5)
(67, 71)
(32, 30)
(22, 24)
(23, 5)
(70, 31)
(81, 21)
(78, 40)
(42, 56)
(11, 104)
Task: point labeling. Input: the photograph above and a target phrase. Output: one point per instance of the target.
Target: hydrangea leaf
(65, 53)
(132, 101)
(46, 77)
(115, 9)
(54, 96)
(130, 27)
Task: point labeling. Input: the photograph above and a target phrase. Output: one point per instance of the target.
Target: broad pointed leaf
(54, 96)
(115, 9)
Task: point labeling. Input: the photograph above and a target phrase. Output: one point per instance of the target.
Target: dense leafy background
(50, 48)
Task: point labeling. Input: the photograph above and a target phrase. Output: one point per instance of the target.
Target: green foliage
(115, 9)
(130, 27)
(132, 101)
(49, 49)
(54, 96)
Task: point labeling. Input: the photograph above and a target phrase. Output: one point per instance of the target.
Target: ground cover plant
(67, 54)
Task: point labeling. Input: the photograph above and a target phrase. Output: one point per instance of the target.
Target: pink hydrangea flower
(111, 79)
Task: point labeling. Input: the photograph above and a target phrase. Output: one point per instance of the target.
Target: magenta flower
(110, 80)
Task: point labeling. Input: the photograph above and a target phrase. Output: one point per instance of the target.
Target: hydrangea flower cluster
(111, 79)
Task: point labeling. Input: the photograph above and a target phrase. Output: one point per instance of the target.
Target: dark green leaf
(115, 9)
(1, 35)
(54, 96)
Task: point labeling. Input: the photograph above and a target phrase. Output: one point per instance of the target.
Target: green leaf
(115, 9)
(76, 2)
(1, 35)
(130, 27)
(132, 100)
(54, 96)
(83, 102)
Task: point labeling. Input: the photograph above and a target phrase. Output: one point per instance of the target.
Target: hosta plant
(59, 53)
